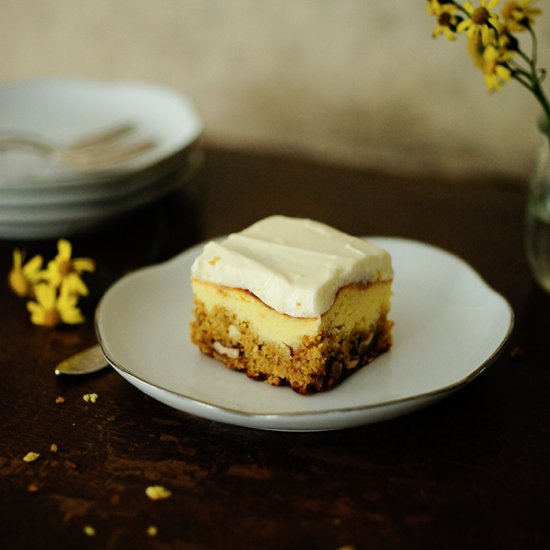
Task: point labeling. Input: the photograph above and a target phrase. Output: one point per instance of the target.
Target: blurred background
(347, 81)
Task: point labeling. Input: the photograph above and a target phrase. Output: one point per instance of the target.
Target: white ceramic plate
(63, 110)
(82, 191)
(67, 219)
(449, 326)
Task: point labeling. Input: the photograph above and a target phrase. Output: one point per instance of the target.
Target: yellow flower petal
(17, 258)
(64, 249)
(66, 306)
(464, 25)
(32, 268)
(22, 277)
(45, 295)
(74, 286)
(83, 264)
(52, 275)
(37, 313)
(487, 35)
(503, 73)
(18, 283)
(72, 316)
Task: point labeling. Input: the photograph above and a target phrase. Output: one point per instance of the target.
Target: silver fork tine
(101, 139)
(104, 149)
(108, 157)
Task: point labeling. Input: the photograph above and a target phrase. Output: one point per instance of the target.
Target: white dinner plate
(57, 220)
(88, 189)
(449, 326)
(62, 110)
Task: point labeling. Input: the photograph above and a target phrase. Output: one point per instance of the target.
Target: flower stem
(543, 100)
(536, 77)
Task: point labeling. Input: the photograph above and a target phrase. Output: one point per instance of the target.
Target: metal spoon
(85, 362)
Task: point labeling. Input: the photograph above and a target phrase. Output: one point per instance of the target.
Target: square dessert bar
(292, 301)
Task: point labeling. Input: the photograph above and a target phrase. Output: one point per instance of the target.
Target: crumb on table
(31, 456)
(90, 397)
(157, 492)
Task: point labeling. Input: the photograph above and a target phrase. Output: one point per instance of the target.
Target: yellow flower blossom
(54, 291)
(446, 18)
(519, 16)
(495, 70)
(476, 49)
(65, 269)
(495, 49)
(51, 309)
(483, 22)
(22, 278)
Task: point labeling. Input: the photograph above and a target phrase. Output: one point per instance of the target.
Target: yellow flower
(65, 269)
(51, 308)
(447, 21)
(22, 278)
(495, 70)
(482, 22)
(492, 43)
(519, 16)
(476, 49)
(432, 6)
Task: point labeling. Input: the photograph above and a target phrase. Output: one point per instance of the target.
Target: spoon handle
(85, 362)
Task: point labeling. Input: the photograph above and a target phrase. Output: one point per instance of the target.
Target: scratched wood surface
(471, 471)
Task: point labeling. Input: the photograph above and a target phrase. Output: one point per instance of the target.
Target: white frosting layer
(295, 266)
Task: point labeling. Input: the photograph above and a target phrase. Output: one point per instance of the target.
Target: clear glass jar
(538, 212)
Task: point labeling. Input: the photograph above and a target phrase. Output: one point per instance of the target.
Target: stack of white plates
(42, 198)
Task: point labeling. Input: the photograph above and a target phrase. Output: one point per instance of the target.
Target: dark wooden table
(470, 472)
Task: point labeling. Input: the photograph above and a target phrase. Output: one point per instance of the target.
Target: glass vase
(538, 212)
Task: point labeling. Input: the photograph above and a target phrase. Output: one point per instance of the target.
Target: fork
(97, 151)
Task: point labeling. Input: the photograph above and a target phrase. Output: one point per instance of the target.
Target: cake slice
(292, 301)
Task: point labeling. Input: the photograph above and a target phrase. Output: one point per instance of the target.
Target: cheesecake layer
(357, 307)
